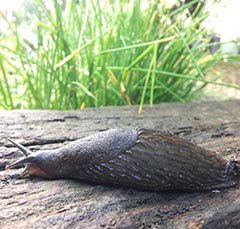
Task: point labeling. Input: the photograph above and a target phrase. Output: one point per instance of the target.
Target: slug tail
(26, 152)
(233, 167)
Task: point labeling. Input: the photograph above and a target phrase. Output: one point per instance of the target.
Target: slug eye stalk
(23, 161)
(31, 162)
(26, 152)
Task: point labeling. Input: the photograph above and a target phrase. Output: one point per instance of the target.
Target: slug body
(142, 159)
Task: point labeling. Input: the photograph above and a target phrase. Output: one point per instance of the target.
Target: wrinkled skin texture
(142, 159)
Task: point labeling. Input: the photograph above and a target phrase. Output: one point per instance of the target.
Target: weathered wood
(39, 203)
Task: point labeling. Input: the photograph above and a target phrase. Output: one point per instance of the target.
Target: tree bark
(35, 202)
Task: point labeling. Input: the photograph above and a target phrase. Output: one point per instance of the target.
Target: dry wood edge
(40, 203)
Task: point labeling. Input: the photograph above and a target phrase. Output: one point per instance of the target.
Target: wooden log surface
(35, 202)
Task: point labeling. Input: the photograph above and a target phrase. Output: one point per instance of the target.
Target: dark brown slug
(142, 159)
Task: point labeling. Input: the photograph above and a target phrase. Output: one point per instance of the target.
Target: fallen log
(35, 202)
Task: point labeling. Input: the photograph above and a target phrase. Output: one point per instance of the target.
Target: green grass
(93, 54)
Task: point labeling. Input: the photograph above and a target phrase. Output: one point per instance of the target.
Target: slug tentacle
(21, 162)
(142, 158)
(23, 149)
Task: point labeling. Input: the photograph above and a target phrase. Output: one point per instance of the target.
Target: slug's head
(31, 161)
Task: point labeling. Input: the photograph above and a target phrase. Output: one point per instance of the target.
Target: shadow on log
(40, 203)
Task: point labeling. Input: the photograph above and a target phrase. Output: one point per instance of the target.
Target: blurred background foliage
(76, 54)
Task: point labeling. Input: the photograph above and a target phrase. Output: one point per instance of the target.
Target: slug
(141, 159)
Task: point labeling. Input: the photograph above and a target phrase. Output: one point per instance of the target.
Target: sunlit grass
(91, 54)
